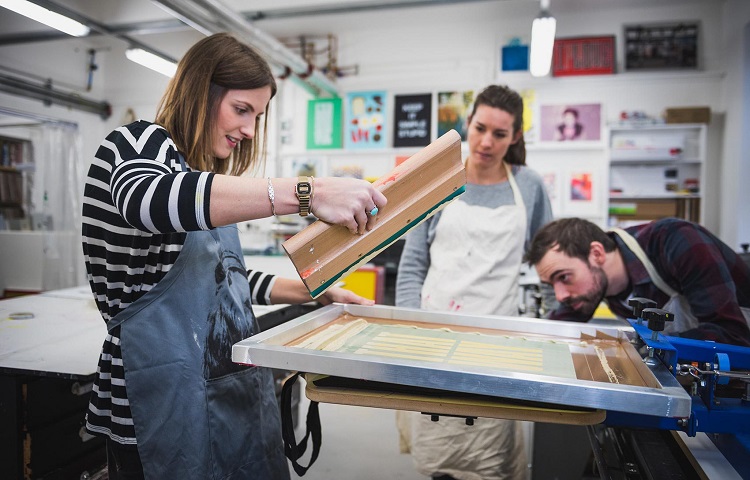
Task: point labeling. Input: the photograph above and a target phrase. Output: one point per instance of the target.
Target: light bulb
(542, 44)
(47, 17)
(149, 60)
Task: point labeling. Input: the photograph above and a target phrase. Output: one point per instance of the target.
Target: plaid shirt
(695, 263)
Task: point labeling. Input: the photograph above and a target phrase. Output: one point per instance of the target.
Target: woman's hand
(347, 202)
(293, 291)
(340, 295)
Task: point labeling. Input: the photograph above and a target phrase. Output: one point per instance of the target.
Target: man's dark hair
(572, 236)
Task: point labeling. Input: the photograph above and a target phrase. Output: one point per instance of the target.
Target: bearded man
(680, 265)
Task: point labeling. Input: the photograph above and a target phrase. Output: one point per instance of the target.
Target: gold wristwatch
(303, 190)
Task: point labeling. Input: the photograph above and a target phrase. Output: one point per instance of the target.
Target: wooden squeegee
(322, 253)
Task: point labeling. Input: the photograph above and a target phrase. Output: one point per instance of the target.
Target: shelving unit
(15, 162)
(656, 171)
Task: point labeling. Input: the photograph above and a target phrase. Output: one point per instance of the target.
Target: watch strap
(304, 191)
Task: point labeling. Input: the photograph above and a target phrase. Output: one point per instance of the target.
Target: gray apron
(196, 414)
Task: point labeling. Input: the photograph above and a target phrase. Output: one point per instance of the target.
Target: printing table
(47, 368)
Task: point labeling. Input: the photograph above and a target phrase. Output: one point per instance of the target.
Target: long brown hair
(190, 104)
(506, 99)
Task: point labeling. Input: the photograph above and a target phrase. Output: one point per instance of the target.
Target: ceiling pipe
(35, 117)
(343, 7)
(98, 27)
(175, 25)
(47, 94)
(200, 18)
(214, 16)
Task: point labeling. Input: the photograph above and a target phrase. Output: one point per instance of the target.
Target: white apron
(475, 266)
(476, 258)
(684, 319)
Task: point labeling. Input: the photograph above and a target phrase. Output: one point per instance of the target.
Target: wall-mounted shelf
(656, 171)
(650, 161)
(565, 146)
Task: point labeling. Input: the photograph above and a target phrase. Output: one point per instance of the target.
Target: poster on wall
(571, 123)
(530, 116)
(670, 46)
(453, 108)
(581, 193)
(412, 120)
(348, 170)
(583, 56)
(581, 186)
(551, 185)
(324, 123)
(401, 159)
(365, 120)
(514, 56)
(305, 166)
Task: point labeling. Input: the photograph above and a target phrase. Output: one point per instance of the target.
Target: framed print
(582, 193)
(581, 186)
(583, 56)
(551, 179)
(453, 109)
(530, 116)
(412, 120)
(514, 56)
(571, 123)
(667, 46)
(365, 120)
(324, 123)
(310, 166)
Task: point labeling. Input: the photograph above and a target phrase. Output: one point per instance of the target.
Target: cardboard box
(688, 115)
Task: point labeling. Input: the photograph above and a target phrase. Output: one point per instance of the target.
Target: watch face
(304, 188)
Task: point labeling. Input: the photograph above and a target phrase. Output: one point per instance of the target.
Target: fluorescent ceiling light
(47, 17)
(542, 41)
(154, 62)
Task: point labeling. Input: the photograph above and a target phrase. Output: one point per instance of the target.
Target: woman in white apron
(467, 258)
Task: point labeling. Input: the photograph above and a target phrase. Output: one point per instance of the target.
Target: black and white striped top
(139, 203)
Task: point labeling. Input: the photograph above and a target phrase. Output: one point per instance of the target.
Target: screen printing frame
(665, 398)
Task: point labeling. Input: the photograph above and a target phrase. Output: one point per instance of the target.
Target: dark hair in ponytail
(507, 99)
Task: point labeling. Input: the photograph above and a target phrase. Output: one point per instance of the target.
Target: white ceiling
(132, 15)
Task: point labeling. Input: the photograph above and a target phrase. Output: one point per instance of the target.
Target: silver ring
(373, 212)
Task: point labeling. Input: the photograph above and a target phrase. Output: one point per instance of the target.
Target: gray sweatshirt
(415, 259)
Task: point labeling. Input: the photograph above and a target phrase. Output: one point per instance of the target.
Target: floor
(357, 443)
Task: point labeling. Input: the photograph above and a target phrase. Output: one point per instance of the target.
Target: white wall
(735, 165)
(414, 50)
(451, 46)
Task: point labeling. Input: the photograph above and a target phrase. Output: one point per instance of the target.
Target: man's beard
(591, 299)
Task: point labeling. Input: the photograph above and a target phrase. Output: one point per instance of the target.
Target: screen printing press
(622, 380)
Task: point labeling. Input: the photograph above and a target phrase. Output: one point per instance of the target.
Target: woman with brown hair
(166, 269)
(467, 258)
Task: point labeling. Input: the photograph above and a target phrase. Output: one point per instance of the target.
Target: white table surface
(65, 336)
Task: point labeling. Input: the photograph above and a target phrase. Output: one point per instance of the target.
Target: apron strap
(633, 245)
(292, 449)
